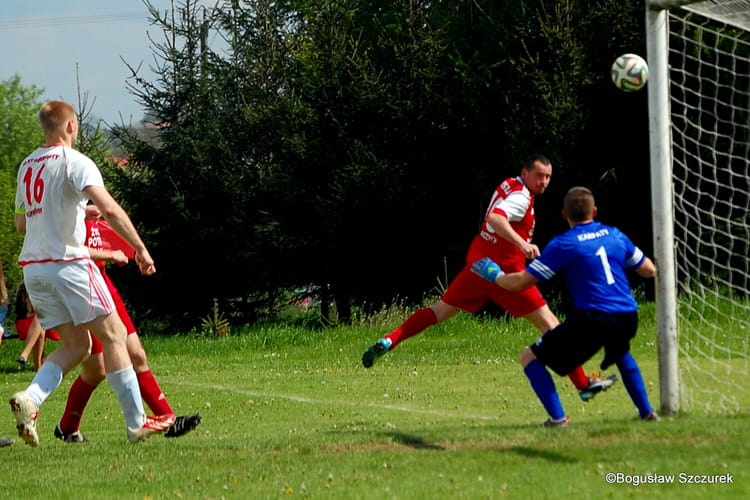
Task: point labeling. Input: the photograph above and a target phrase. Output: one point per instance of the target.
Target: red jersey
(99, 237)
(94, 239)
(515, 202)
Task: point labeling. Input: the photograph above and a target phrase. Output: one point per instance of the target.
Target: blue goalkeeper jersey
(592, 258)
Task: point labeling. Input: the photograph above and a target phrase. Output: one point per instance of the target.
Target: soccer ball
(629, 72)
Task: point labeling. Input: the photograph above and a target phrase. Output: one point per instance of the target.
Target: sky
(43, 40)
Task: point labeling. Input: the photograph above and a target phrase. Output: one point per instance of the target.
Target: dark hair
(530, 161)
(579, 203)
(23, 302)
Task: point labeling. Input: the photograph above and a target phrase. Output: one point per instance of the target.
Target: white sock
(46, 380)
(125, 384)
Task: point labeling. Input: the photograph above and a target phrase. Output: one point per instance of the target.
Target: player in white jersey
(67, 290)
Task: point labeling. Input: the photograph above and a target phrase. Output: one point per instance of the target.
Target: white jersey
(50, 188)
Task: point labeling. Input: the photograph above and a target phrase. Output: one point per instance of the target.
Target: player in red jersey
(103, 250)
(30, 330)
(505, 237)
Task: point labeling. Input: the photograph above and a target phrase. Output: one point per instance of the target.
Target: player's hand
(487, 269)
(93, 212)
(119, 257)
(530, 251)
(145, 262)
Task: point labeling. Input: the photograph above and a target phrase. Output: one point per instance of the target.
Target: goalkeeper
(593, 259)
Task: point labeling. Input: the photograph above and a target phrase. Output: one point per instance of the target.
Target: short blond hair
(54, 115)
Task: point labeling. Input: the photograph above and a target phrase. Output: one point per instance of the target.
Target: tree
(19, 105)
(342, 135)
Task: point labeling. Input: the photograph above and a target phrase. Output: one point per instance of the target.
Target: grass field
(289, 412)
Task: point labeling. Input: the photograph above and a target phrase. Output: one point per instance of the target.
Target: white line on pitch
(306, 400)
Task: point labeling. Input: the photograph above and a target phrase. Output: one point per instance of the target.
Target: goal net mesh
(709, 58)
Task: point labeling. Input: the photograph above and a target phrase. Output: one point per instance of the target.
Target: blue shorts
(3, 315)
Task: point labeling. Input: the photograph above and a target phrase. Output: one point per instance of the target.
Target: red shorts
(96, 346)
(122, 311)
(469, 292)
(23, 325)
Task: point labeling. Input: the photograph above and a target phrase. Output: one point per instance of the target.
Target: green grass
(291, 413)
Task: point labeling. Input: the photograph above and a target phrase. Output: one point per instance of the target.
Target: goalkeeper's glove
(486, 268)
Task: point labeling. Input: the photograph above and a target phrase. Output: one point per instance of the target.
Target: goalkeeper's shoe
(559, 422)
(70, 437)
(182, 425)
(596, 385)
(26, 413)
(375, 351)
(6, 441)
(152, 425)
(651, 416)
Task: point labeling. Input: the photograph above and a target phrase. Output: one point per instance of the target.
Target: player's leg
(3, 315)
(545, 320)
(150, 390)
(416, 323)
(29, 332)
(561, 349)
(25, 404)
(38, 352)
(149, 387)
(152, 393)
(531, 306)
(466, 292)
(92, 373)
(111, 332)
(632, 379)
(121, 376)
(544, 388)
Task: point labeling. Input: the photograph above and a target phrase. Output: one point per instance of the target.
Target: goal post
(660, 155)
(699, 130)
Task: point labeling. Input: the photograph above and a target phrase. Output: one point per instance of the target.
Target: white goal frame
(662, 189)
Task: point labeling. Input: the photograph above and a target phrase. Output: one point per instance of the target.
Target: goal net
(709, 97)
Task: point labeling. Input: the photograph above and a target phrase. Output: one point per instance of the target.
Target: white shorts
(64, 292)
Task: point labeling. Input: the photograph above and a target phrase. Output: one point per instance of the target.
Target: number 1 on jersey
(602, 253)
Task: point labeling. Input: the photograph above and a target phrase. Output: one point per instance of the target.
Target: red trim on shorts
(23, 263)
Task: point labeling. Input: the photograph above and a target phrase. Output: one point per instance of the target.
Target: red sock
(414, 324)
(78, 397)
(579, 378)
(152, 393)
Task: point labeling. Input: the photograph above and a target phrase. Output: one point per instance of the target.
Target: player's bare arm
(515, 282)
(118, 219)
(647, 269)
(501, 226)
(21, 223)
(116, 256)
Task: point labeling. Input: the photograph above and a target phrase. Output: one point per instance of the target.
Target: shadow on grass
(17, 369)
(419, 443)
(527, 452)
(414, 442)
